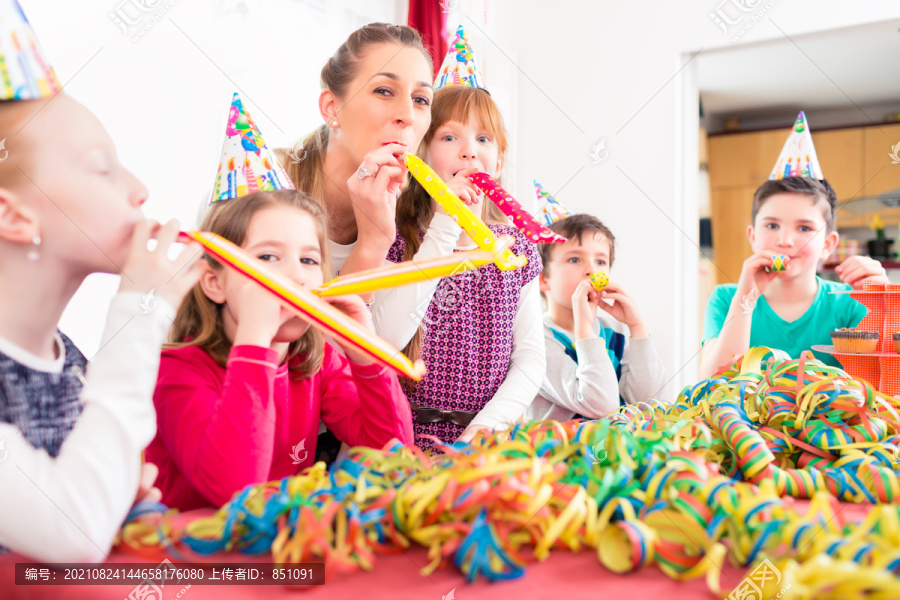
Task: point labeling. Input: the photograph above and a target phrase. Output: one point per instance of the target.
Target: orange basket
(881, 369)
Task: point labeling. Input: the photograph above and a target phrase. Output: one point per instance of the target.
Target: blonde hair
(414, 207)
(338, 72)
(199, 319)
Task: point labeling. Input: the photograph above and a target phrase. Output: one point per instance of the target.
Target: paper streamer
(533, 230)
(599, 280)
(318, 312)
(477, 230)
(669, 491)
(405, 273)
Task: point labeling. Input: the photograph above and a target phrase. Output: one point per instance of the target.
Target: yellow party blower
(405, 273)
(315, 310)
(462, 214)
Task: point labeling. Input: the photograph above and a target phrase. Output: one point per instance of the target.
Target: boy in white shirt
(596, 359)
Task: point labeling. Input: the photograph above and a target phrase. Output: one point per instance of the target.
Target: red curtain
(429, 18)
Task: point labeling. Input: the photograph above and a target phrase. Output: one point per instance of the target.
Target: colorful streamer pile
(683, 486)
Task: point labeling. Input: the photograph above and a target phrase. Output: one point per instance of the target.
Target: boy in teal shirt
(791, 310)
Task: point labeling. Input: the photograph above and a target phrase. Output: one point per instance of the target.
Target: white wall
(164, 98)
(568, 74)
(591, 70)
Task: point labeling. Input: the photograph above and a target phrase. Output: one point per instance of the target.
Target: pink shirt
(220, 430)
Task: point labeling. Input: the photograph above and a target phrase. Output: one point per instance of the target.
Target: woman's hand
(374, 196)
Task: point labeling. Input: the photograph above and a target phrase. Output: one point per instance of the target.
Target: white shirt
(590, 387)
(70, 508)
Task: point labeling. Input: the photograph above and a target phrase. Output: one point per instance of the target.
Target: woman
(376, 106)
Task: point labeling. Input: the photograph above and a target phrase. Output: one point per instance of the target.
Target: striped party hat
(551, 209)
(24, 72)
(247, 164)
(798, 156)
(459, 65)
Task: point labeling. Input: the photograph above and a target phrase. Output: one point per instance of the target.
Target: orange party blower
(405, 273)
(304, 303)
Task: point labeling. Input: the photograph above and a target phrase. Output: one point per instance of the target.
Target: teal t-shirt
(827, 313)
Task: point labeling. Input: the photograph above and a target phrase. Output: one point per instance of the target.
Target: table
(566, 576)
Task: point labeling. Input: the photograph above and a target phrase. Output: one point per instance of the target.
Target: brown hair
(199, 319)
(574, 227)
(338, 72)
(818, 189)
(414, 206)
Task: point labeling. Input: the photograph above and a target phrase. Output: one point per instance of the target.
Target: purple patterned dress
(468, 335)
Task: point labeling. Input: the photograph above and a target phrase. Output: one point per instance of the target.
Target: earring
(334, 123)
(34, 252)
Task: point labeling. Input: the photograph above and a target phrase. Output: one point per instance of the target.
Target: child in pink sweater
(243, 387)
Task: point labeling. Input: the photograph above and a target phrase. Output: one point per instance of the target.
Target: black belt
(425, 415)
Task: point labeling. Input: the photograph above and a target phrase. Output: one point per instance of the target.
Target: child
(70, 441)
(242, 389)
(480, 337)
(589, 375)
(793, 215)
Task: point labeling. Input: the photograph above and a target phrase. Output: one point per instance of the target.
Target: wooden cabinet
(879, 173)
(840, 155)
(743, 158)
(730, 209)
(856, 162)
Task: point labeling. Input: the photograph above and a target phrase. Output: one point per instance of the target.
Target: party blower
(405, 273)
(304, 303)
(462, 214)
(510, 207)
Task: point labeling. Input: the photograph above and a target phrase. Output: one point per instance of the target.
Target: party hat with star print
(24, 72)
(459, 66)
(551, 209)
(247, 164)
(798, 156)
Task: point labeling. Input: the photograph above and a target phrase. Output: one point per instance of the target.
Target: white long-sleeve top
(393, 309)
(69, 508)
(590, 387)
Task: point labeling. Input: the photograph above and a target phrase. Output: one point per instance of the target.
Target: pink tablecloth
(564, 576)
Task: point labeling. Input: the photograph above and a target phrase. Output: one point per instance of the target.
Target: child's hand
(145, 270)
(354, 307)
(471, 431)
(258, 314)
(374, 197)
(146, 492)
(858, 270)
(756, 275)
(584, 309)
(623, 309)
(462, 186)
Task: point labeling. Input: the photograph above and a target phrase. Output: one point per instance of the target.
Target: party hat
(24, 72)
(798, 156)
(551, 209)
(459, 65)
(247, 164)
